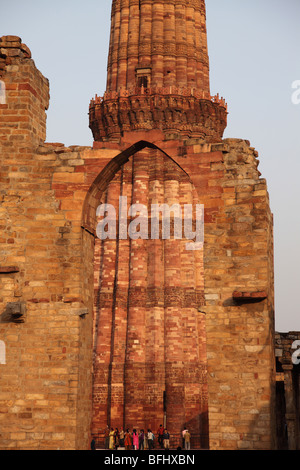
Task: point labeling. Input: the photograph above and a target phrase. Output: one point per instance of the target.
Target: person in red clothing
(128, 440)
(160, 433)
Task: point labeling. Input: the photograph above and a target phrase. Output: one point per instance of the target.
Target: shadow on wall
(257, 437)
(256, 434)
(14, 312)
(200, 441)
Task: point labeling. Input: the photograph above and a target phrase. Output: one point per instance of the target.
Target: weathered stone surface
(164, 320)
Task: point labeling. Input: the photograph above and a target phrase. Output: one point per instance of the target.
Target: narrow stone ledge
(9, 269)
(256, 296)
(220, 147)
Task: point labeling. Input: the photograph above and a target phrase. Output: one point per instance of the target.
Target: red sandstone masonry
(92, 342)
(148, 391)
(158, 74)
(220, 322)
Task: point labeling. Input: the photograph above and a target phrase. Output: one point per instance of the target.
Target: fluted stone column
(158, 44)
(133, 43)
(135, 369)
(105, 313)
(168, 38)
(123, 46)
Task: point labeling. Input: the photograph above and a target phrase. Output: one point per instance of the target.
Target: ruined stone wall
(44, 380)
(23, 117)
(46, 268)
(238, 277)
(47, 215)
(239, 299)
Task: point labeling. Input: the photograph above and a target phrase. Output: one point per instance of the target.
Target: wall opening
(143, 77)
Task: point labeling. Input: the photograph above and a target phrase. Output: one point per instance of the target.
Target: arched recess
(149, 339)
(103, 179)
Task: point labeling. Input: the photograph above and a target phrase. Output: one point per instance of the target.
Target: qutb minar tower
(150, 346)
(152, 297)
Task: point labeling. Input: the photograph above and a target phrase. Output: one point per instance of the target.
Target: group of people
(141, 440)
(135, 440)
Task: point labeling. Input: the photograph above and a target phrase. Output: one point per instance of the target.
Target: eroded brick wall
(48, 197)
(238, 277)
(22, 112)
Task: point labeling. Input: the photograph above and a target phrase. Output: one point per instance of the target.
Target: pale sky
(254, 49)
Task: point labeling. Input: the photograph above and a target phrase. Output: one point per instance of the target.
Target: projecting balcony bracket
(249, 297)
(9, 269)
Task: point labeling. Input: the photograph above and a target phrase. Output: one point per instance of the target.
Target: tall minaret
(158, 43)
(158, 73)
(150, 361)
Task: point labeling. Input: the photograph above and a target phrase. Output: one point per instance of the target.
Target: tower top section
(158, 43)
(158, 72)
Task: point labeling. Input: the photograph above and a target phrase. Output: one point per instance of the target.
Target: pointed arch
(105, 177)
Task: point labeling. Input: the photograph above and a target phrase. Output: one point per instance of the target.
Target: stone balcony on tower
(158, 73)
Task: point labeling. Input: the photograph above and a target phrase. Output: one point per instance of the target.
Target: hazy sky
(254, 49)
